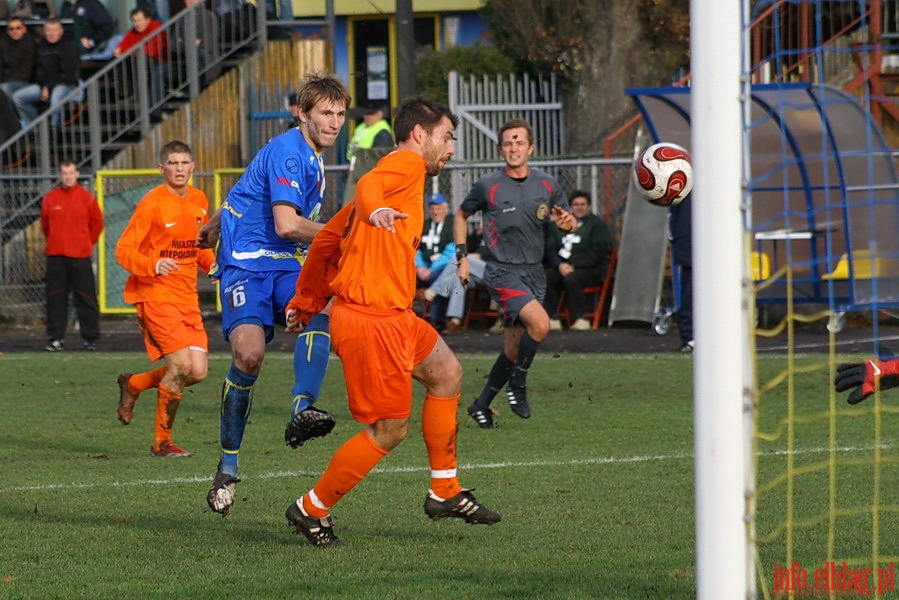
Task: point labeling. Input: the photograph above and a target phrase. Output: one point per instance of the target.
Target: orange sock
(439, 426)
(140, 382)
(349, 465)
(166, 406)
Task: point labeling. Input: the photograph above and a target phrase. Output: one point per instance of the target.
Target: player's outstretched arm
(865, 378)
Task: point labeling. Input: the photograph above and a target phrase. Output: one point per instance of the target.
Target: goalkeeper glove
(864, 377)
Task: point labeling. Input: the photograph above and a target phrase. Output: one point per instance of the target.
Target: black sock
(497, 378)
(527, 348)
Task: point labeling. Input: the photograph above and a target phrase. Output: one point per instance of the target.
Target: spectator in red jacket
(71, 220)
(143, 26)
(156, 50)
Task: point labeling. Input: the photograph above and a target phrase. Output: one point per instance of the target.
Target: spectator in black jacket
(576, 260)
(55, 75)
(92, 27)
(17, 50)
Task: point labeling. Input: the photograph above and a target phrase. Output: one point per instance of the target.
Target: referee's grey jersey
(515, 214)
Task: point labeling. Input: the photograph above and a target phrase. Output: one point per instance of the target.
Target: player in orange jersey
(158, 248)
(367, 253)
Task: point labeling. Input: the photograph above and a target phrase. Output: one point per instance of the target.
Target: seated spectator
(92, 26)
(206, 42)
(575, 261)
(156, 50)
(143, 26)
(449, 290)
(435, 252)
(18, 48)
(55, 75)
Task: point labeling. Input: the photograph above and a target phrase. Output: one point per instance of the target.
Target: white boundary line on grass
(611, 460)
(810, 346)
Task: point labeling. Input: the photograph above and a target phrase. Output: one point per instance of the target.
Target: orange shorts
(169, 327)
(378, 352)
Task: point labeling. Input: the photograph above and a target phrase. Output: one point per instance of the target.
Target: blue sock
(310, 361)
(237, 399)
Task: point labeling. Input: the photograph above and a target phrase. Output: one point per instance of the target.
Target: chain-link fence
(22, 251)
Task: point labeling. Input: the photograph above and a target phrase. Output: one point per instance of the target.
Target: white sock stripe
(445, 474)
(316, 502)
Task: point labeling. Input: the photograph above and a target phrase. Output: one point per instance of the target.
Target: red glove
(864, 378)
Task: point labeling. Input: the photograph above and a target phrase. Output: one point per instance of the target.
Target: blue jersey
(286, 171)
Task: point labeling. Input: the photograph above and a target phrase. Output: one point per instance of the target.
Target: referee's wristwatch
(461, 252)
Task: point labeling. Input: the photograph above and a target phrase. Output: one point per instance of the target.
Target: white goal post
(722, 361)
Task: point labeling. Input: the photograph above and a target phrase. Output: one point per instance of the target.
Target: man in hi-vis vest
(372, 132)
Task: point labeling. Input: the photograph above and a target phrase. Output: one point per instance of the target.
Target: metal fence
(23, 262)
(121, 97)
(485, 103)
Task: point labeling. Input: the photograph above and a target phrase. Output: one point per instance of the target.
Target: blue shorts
(257, 298)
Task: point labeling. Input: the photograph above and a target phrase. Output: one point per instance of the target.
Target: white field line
(611, 460)
(808, 346)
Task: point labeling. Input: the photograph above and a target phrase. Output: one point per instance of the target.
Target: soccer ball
(663, 174)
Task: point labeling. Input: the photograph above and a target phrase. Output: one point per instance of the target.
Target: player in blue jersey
(516, 204)
(266, 224)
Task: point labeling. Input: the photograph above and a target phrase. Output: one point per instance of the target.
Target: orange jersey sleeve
(205, 259)
(377, 268)
(164, 225)
(320, 267)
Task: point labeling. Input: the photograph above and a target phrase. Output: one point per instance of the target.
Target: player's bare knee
(388, 433)
(539, 331)
(249, 362)
(197, 374)
(453, 377)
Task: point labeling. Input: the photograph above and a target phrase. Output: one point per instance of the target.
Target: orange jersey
(164, 225)
(377, 268)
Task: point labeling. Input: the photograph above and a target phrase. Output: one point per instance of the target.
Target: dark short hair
(579, 194)
(423, 111)
(516, 124)
(173, 147)
(318, 86)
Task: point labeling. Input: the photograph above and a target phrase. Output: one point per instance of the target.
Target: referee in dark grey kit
(516, 204)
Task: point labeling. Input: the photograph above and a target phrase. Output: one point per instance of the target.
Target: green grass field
(596, 490)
